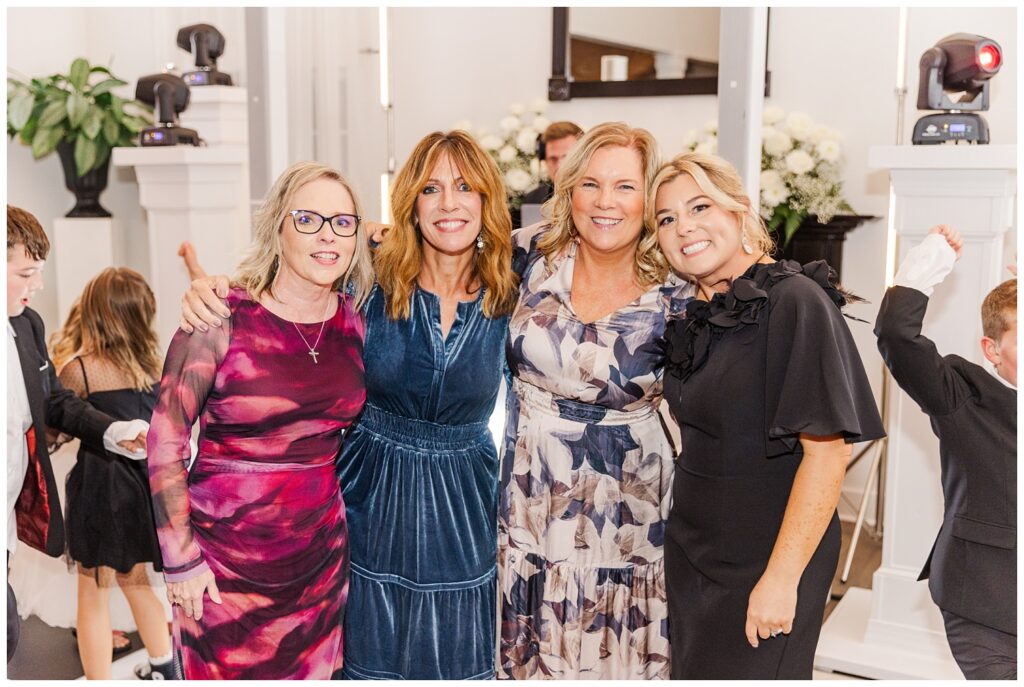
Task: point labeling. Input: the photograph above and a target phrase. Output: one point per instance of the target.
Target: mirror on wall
(643, 51)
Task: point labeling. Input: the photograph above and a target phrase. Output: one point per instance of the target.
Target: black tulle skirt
(109, 513)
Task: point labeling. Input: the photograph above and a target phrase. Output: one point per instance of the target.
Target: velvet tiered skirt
(422, 512)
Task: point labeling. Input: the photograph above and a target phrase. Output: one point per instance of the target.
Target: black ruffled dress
(746, 374)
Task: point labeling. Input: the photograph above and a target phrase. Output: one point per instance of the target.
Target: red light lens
(988, 57)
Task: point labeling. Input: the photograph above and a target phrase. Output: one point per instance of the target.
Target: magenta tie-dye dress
(261, 506)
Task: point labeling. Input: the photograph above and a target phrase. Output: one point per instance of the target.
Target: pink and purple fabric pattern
(261, 506)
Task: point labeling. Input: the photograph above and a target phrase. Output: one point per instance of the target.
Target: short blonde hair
(259, 267)
(720, 182)
(999, 310)
(650, 266)
(400, 256)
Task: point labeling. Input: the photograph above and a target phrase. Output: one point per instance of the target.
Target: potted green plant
(79, 118)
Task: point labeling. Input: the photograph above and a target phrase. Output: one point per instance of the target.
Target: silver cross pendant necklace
(312, 349)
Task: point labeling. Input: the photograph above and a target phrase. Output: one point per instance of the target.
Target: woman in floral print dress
(587, 467)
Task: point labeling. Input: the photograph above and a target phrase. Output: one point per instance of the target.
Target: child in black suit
(972, 569)
(36, 400)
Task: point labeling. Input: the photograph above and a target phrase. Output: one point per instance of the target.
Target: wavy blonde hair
(66, 342)
(260, 265)
(650, 266)
(399, 259)
(113, 320)
(720, 182)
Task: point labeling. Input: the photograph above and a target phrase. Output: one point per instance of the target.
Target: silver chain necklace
(312, 349)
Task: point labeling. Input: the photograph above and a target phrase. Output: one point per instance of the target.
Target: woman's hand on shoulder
(202, 306)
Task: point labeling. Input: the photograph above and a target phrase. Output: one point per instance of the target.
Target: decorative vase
(816, 241)
(87, 188)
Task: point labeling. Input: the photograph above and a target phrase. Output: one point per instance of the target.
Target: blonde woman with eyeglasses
(253, 535)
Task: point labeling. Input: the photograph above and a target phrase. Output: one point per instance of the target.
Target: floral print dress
(585, 482)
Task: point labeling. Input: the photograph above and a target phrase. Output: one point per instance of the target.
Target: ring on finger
(776, 633)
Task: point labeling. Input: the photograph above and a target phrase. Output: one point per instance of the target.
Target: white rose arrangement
(513, 147)
(801, 169)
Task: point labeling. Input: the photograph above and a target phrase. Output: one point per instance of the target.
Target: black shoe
(161, 671)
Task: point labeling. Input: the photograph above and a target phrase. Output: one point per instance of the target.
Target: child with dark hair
(972, 569)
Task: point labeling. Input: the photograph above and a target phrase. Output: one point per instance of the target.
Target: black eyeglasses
(309, 222)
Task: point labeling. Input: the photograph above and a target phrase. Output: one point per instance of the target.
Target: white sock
(159, 660)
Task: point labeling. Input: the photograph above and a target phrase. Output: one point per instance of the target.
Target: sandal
(122, 643)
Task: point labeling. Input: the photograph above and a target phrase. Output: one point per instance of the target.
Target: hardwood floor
(866, 561)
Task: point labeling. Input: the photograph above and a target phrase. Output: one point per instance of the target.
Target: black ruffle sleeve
(815, 381)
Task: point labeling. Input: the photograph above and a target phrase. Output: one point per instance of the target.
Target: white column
(83, 247)
(743, 40)
(189, 193)
(221, 116)
(219, 113)
(895, 631)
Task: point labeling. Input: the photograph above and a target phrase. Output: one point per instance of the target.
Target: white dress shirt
(19, 419)
(924, 268)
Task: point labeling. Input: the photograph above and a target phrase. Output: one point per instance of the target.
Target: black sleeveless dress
(746, 374)
(109, 512)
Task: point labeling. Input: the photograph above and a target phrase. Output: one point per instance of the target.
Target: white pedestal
(83, 247)
(195, 194)
(220, 114)
(973, 189)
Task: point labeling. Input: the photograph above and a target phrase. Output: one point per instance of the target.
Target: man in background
(552, 147)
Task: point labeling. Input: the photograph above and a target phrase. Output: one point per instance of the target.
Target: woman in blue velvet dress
(420, 471)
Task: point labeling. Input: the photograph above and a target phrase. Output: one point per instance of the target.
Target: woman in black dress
(763, 377)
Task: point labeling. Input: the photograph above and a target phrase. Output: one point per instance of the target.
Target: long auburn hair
(113, 320)
(399, 259)
(261, 263)
(650, 266)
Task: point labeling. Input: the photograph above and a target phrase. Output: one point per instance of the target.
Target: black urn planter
(815, 241)
(87, 188)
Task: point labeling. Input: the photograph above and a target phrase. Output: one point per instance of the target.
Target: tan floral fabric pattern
(585, 484)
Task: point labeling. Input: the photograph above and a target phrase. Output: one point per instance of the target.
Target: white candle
(614, 68)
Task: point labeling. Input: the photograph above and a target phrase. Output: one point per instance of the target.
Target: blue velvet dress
(419, 474)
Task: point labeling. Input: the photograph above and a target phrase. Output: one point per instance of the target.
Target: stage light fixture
(960, 63)
(206, 44)
(169, 94)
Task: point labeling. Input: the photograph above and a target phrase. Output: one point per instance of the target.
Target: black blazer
(539, 195)
(38, 513)
(972, 569)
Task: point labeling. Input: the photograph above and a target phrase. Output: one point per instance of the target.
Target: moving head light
(169, 94)
(959, 63)
(206, 44)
